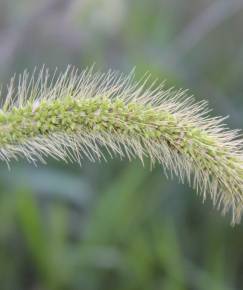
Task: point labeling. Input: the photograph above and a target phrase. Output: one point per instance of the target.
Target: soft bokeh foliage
(117, 225)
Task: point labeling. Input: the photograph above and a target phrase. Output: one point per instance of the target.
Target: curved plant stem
(83, 114)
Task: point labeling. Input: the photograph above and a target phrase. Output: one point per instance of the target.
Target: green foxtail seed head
(74, 115)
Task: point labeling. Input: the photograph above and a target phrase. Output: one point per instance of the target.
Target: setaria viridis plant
(83, 114)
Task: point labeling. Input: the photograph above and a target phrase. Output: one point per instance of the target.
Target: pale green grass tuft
(75, 115)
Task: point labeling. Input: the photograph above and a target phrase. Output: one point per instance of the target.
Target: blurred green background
(117, 225)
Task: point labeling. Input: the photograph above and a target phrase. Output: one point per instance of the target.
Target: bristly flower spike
(74, 114)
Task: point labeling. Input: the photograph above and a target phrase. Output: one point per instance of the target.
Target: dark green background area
(116, 224)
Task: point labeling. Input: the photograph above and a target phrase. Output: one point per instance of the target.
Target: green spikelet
(75, 115)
